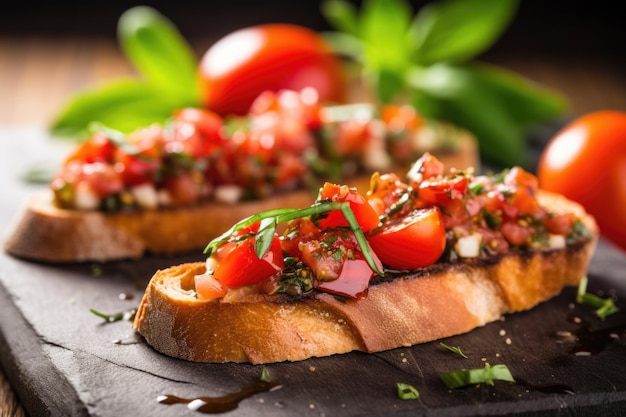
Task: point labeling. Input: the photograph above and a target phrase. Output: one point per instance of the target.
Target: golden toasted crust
(433, 303)
(47, 233)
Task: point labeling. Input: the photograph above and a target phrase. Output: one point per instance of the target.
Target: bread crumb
(502, 332)
(312, 368)
(508, 341)
(483, 359)
(311, 406)
(404, 360)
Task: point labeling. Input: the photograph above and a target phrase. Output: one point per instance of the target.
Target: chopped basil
(265, 375)
(604, 306)
(407, 392)
(110, 318)
(455, 349)
(279, 215)
(486, 375)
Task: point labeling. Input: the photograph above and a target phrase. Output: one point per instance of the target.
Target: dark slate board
(61, 359)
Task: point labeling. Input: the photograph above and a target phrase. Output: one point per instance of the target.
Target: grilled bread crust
(50, 234)
(399, 310)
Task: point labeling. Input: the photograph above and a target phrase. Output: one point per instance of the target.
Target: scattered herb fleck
(604, 306)
(486, 375)
(455, 349)
(407, 392)
(110, 318)
(265, 375)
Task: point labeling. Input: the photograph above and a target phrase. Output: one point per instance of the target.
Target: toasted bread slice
(47, 233)
(399, 310)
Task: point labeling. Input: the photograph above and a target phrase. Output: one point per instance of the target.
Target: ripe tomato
(97, 148)
(241, 266)
(338, 263)
(586, 162)
(365, 214)
(414, 241)
(196, 132)
(243, 64)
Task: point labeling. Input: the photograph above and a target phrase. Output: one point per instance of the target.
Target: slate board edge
(38, 396)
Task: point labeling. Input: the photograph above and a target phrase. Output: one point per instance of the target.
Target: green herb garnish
(110, 318)
(486, 375)
(455, 349)
(407, 392)
(604, 306)
(270, 218)
(428, 57)
(265, 375)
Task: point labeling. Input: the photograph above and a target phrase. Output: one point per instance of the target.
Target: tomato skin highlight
(243, 64)
(241, 266)
(414, 241)
(365, 214)
(586, 162)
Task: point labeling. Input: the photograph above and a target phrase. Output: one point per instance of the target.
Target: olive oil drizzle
(228, 402)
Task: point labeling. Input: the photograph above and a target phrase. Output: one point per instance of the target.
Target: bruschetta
(412, 260)
(170, 189)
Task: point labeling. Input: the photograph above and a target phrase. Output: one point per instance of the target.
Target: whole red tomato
(586, 162)
(245, 63)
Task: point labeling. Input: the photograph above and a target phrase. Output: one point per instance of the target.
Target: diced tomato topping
(241, 266)
(365, 215)
(98, 148)
(399, 118)
(414, 241)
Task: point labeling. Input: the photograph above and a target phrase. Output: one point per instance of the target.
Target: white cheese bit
(146, 196)
(556, 241)
(85, 198)
(230, 194)
(468, 246)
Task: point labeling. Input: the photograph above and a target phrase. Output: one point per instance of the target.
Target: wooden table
(37, 75)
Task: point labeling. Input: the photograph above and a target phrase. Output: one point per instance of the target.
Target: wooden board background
(61, 359)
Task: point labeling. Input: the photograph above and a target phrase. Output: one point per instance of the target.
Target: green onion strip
(270, 218)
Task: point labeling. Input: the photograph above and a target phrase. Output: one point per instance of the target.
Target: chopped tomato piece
(414, 241)
(365, 215)
(515, 233)
(338, 263)
(399, 118)
(98, 148)
(241, 266)
(208, 288)
(352, 280)
(196, 132)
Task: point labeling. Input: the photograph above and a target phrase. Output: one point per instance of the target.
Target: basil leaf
(486, 375)
(407, 392)
(265, 236)
(454, 349)
(458, 30)
(526, 102)
(342, 15)
(455, 94)
(158, 50)
(123, 105)
(384, 25)
(604, 306)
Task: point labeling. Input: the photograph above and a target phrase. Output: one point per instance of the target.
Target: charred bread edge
(49, 234)
(400, 310)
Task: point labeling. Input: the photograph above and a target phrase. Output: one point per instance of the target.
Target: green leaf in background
(342, 15)
(168, 80)
(458, 30)
(527, 102)
(455, 94)
(159, 51)
(124, 105)
(426, 60)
